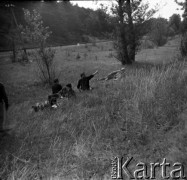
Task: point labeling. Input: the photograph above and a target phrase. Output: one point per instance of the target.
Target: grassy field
(138, 115)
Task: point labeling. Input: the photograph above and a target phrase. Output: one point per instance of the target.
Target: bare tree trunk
(25, 52)
(15, 20)
(13, 50)
(131, 32)
(125, 56)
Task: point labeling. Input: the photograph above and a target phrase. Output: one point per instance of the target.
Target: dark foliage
(69, 24)
(175, 23)
(131, 17)
(183, 46)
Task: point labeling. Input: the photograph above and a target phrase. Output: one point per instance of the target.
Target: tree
(183, 45)
(130, 14)
(175, 22)
(159, 31)
(59, 16)
(12, 33)
(104, 20)
(35, 32)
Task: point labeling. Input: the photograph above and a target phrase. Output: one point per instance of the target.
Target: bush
(183, 45)
(159, 31)
(34, 31)
(45, 64)
(147, 44)
(159, 40)
(171, 32)
(78, 56)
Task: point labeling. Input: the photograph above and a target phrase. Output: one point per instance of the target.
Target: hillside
(69, 24)
(137, 115)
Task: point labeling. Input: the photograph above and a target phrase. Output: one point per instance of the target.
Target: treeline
(69, 23)
(158, 30)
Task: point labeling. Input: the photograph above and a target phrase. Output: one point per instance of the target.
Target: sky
(167, 7)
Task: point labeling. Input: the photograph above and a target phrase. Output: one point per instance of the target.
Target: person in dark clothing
(56, 87)
(70, 91)
(3, 106)
(66, 92)
(83, 83)
(52, 99)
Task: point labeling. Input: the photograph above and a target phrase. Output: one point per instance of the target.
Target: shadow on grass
(9, 145)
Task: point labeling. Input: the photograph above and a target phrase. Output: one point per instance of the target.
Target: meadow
(142, 114)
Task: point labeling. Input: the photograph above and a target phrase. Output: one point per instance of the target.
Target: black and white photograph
(93, 89)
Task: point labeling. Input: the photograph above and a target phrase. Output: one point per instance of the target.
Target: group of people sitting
(64, 92)
(57, 92)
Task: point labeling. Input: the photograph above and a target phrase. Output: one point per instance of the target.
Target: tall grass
(133, 116)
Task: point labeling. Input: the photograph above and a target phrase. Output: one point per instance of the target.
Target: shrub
(183, 45)
(171, 32)
(45, 64)
(159, 31)
(34, 31)
(147, 44)
(78, 56)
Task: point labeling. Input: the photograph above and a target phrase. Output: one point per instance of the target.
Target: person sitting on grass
(70, 92)
(56, 87)
(83, 83)
(66, 92)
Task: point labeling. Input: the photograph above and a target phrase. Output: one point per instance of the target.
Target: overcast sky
(168, 7)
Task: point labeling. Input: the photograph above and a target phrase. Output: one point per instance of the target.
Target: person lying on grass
(84, 82)
(115, 75)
